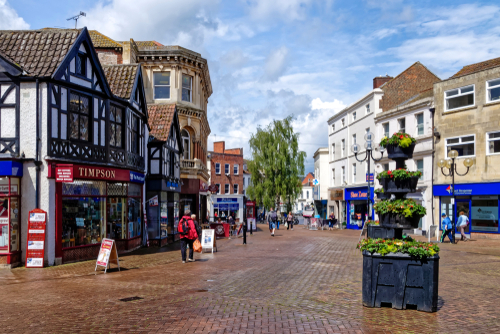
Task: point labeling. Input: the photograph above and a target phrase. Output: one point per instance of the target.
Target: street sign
(371, 177)
(36, 239)
(315, 182)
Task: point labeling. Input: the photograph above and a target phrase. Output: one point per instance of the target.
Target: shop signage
(226, 200)
(64, 174)
(219, 231)
(213, 188)
(203, 187)
(485, 213)
(371, 177)
(153, 201)
(172, 185)
(5, 189)
(11, 168)
(337, 195)
(107, 254)
(35, 249)
(250, 203)
(208, 239)
(467, 189)
(137, 177)
(357, 193)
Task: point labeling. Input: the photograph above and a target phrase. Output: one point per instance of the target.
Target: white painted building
(321, 173)
(414, 118)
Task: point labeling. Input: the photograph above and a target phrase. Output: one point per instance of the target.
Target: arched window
(186, 143)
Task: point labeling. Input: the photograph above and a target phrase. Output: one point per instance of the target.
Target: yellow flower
(399, 243)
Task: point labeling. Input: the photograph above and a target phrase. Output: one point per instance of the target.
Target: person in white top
(462, 223)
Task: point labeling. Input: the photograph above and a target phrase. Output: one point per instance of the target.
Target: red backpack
(183, 227)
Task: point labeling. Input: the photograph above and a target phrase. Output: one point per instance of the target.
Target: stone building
(467, 120)
(174, 75)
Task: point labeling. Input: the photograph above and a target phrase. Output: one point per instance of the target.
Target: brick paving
(297, 282)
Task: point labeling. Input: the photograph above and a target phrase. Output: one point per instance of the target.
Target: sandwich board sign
(208, 240)
(36, 239)
(107, 254)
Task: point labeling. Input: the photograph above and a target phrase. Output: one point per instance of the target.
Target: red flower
(401, 137)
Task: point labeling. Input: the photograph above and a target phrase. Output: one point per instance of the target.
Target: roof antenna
(76, 17)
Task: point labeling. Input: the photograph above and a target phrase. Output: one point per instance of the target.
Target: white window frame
(488, 141)
(423, 167)
(416, 124)
(307, 194)
(190, 89)
(333, 151)
(353, 116)
(189, 143)
(235, 189)
(343, 175)
(386, 164)
(464, 156)
(367, 108)
(226, 188)
(353, 139)
(333, 127)
(459, 94)
(236, 169)
(488, 90)
(385, 134)
(227, 169)
(333, 176)
(217, 167)
(354, 173)
(399, 124)
(169, 86)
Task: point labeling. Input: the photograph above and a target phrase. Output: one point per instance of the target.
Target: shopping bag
(286, 224)
(197, 246)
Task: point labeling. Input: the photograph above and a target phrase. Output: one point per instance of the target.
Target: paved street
(297, 282)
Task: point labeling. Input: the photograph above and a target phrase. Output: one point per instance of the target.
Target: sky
(272, 58)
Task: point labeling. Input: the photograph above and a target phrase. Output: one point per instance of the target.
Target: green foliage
(398, 174)
(400, 139)
(372, 222)
(406, 207)
(379, 191)
(276, 165)
(406, 246)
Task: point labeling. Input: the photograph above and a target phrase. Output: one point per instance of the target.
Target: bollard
(251, 228)
(245, 227)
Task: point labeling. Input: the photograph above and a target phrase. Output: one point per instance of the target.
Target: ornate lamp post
(369, 137)
(452, 169)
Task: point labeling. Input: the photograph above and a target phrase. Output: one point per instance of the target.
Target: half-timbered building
(73, 141)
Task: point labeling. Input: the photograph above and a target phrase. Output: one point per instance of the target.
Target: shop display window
(134, 217)
(116, 218)
(9, 214)
(164, 215)
(484, 214)
(153, 218)
(83, 220)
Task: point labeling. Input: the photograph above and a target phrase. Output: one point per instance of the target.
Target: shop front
(93, 203)
(357, 206)
(11, 173)
(224, 206)
(193, 197)
(162, 211)
(478, 201)
(336, 204)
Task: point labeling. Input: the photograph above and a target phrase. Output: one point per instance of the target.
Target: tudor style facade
(68, 112)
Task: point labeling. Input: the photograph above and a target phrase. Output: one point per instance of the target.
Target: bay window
(161, 85)
(79, 117)
(187, 87)
(115, 126)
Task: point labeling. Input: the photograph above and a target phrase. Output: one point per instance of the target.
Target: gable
(81, 66)
(138, 96)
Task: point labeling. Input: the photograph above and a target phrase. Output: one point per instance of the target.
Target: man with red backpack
(188, 234)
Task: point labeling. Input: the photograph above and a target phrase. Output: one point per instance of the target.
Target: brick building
(226, 171)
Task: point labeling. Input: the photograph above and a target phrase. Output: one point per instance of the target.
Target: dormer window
(187, 86)
(81, 62)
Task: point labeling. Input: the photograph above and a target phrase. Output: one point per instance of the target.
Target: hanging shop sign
(203, 187)
(107, 254)
(208, 241)
(35, 249)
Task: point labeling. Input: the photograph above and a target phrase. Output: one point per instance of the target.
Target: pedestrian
(462, 223)
(197, 226)
(272, 218)
(289, 220)
(447, 228)
(278, 213)
(331, 221)
(188, 235)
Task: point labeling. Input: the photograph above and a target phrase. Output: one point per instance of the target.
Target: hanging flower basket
(396, 220)
(392, 186)
(397, 152)
(383, 195)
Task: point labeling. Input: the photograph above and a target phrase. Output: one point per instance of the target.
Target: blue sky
(272, 58)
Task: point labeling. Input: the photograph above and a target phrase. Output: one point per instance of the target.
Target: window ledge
(492, 103)
(446, 112)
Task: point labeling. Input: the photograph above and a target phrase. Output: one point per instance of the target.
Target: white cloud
(334, 106)
(383, 33)
(9, 19)
(287, 10)
(276, 64)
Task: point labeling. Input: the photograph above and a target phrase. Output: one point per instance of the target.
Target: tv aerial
(76, 17)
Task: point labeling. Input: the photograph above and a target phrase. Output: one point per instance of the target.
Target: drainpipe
(37, 162)
(432, 110)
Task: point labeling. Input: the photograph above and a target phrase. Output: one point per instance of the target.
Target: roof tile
(102, 41)
(121, 79)
(473, 68)
(160, 117)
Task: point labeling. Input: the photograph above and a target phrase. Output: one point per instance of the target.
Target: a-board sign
(314, 224)
(35, 249)
(107, 254)
(208, 239)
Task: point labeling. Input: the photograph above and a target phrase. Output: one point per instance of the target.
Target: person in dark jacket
(272, 218)
(189, 238)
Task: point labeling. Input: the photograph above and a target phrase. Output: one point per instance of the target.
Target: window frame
(488, 141)
(169, 85)
(81, 59)
(333, 151)
(188, 150)
(333, 176)
(353, 116)
(218, 188)
(190, 89)
(236, 169)
(459, 137)
(235, 189)
(89, 116)
(217, 166)
(343, 147)
(488, 99)
(343, 175)
(367, 108)
(421, 178)
(384, 133)
(416, 124)
(135, 149)
(354, 173)
(460, 94)
(111, 123)
(227, 169)
(333, 127)
(226, 189)
(399, 124)
(343, 122)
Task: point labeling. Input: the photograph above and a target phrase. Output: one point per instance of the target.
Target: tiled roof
(420, 96)
(38, 52)
(160, 117)
(102, 41)
(469, 69)
(121, 79)
(146, 44)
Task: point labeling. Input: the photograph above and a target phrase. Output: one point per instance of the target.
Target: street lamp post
(369, 137)
(452, 170)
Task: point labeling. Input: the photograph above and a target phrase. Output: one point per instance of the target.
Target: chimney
(219, 147)
(380, 80)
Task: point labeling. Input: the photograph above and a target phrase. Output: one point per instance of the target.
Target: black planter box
(396, 152)
(392, 186)
(394, 220)
(377, 231)
(400, 281)
(383, 195)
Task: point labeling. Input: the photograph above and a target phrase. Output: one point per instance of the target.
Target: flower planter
(394, 220)
(383, 195)
(392, 186)
(400, 281)
(396, 152)
(378, 231)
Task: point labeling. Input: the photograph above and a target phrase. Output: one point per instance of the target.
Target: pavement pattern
(299, 281)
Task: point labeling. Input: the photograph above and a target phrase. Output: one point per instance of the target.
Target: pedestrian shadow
(441, 303)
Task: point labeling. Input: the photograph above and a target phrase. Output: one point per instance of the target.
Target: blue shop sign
(11, 168)
(468, 189)
(137, 177)
(226, 200)
(358, 193)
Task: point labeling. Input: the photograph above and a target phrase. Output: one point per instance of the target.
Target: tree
(276, 165)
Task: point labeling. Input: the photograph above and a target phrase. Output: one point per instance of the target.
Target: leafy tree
(276, 165)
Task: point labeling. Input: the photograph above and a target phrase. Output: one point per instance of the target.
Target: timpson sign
(67, 173)
(99, 173)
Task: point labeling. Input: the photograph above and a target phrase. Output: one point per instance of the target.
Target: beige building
(173, 75)
(467, 120)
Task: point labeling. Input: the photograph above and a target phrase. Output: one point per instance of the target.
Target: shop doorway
(463, 205)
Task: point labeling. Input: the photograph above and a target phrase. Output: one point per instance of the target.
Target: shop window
(9, 205)
(187, 86)
(115, 126)
(484, 214)
(493, 87)
(79, 117)
(134, 217)
(459, 98)
(493, 142)
(162, 85)
(465, 146)
(83, 220)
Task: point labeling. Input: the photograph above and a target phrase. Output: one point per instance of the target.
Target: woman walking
(331, 221)
(289, 220)
(462, 223)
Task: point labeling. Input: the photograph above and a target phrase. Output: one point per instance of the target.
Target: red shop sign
(92, 173)
(64, 173)
(35, 249)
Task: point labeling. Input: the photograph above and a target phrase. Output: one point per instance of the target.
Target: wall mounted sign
(64, 173)
(371, 177)
(35, 249)
(337, 195)
(469, 189)
(358, 193)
